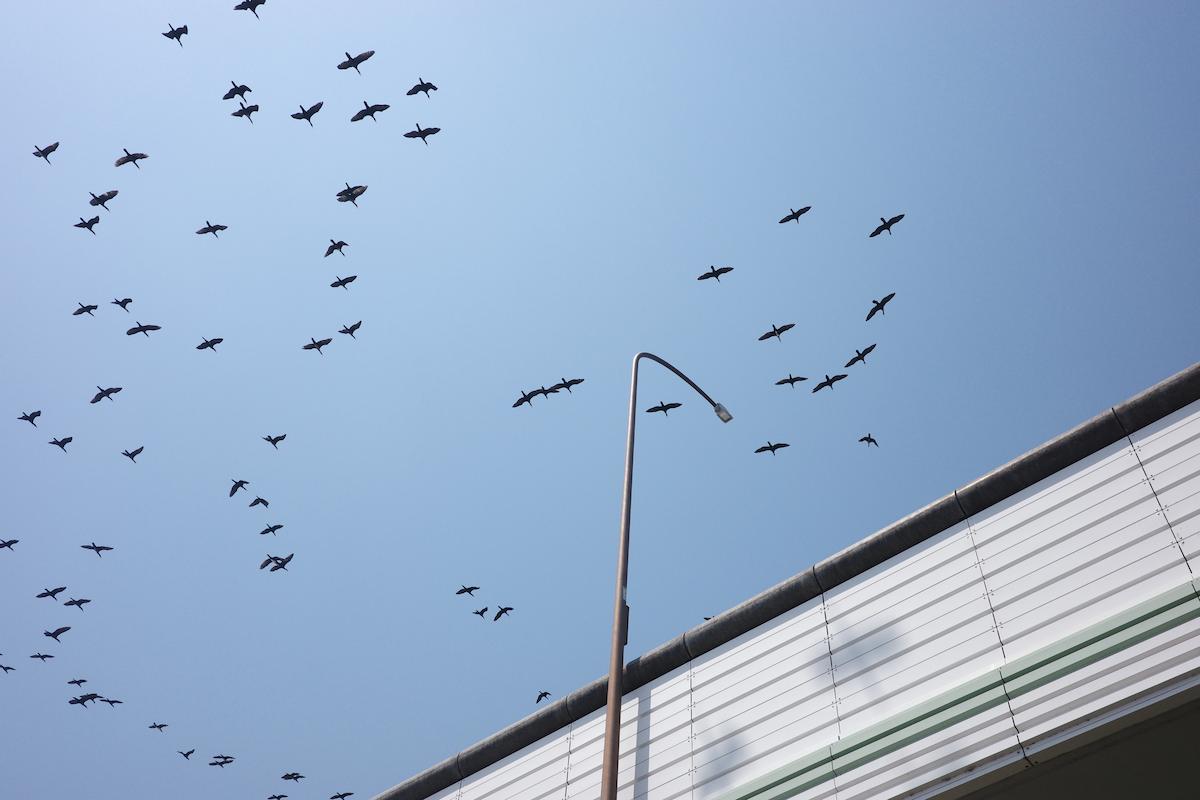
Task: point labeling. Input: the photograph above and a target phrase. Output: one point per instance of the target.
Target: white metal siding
(1170, 452)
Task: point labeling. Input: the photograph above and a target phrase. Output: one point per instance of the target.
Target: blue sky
(592, 162)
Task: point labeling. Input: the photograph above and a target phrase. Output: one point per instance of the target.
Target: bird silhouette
(665, 408)
(51, 593)
(259, 501)
(795, 215)
(481, 612)
(30, 416)
(335, 246)
(209, 344)
(88, 224)
(869, 440)
(541, 696)
(104, 394)
(77, 682)
(292, 776)
(213, 229)
(88, 309)
(828, 382)
(877, 306)
(271, 529)
(885, 225)
(250, 5)
(501, 612)
(566, 384)
(123, 303)
(142, 329)
(44, 152)
(275, 440)
(6, 669)
(83, 699)
(276, 562)
(102, 198)
(41, 657)
(316, 344)
(771, 448)
(544, 392)
(526, 397)
(176, 33)
(422, 85)
(245, 111)
(221, 760)
(277, 797)
(790, 381)
(353, 62)
(239, 91)
(350, 329)
(340, 795)
(57, 632)
(188, 754)
(111, 702)
(465, 590)
(130, 158)
(351, 194)
(860, 356)
(369, 110)
(715, 272)
(777, 332)
(8, 543)
(343, 283)
(237, 484)
(422, 133)
(133, 454)
(98, 549)
(158, 726)
(78, 603)
(62, 443)
(307, 114)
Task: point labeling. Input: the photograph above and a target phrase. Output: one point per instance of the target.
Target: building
(1033, 633)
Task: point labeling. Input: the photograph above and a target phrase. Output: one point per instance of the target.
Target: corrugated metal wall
(1061, 558)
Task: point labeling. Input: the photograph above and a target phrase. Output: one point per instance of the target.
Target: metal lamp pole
(620, 632)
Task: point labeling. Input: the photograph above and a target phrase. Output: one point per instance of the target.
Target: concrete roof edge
(1145, 408)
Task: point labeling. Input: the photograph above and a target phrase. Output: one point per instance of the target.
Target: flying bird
(777, 332)
(351, 194)
(335, 246)
(89, 224)
(544, 392)
(111, 702)
(663, 407)
(133, 454)
(350, 329)
(239, 91)
(209, 344)
(715, 272)
(886, 225)
(271, 529)
(83, 699)
(342, 283)
(88, 309)
(790, 381)
(98, 549)
(51, 593)
(245, 111)
(481, 612)
(464, 590)
(275, 440)
(142, 329)
(566, 384)
(77, 682)
(869, 440)
(237, 484)
(795, 215)
(8, 543)
(102, 198)
(188, 754)
(541, 696)
(30, 416)
(500, 613)
(44, 152)
(258, 501)
(317, 345)
(249, 5)
(828, 382)
(130, 158)
(277, 797)
(292, 776)
(210, 228)
(276, 562)
(105, 393)
(6, 669)
(877, 306)
(41, 657)
(57, 632)
(422, 133)
(353, 62)
(421, 86)
(771, 448)
(860, 356)
(158, 726)
(340, 795)
(526, 397)
(61, 444)
(80, 603)
(369, 110)
(176, 33)
(123, 303)
(307, 114)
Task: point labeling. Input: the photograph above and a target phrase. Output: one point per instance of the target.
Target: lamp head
(722, 412)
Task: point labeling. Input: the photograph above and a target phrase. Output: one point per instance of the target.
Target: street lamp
(620, 632)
